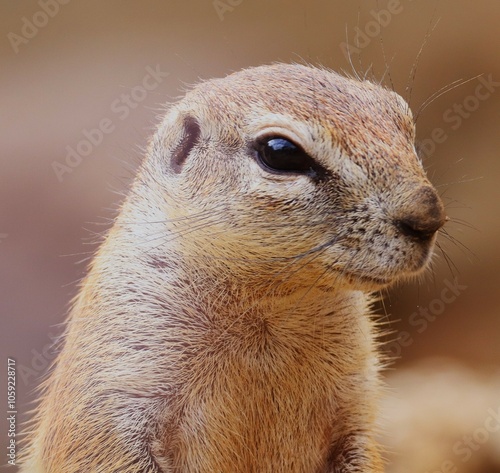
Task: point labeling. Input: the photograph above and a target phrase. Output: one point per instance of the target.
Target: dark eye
(281, 155)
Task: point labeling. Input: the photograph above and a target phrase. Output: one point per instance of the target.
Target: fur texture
(224, 325)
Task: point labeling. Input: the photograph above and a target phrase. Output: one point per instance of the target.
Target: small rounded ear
(190, 137)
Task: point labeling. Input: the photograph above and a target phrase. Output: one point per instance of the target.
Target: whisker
(413, 72)
(457, 243)
(384, 308)
(314, 283)
(313, 254)
(460, 181)
(442, 91)
(386, 71)
(449, 262)
(464, 223)
(357, 41)
(203, 214)
(349, 56)
(387, 65)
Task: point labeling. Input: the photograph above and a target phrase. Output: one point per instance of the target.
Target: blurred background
(81, 87)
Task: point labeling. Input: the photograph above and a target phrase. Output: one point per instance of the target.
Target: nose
(423, 216)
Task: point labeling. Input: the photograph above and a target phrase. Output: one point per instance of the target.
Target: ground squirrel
(225, 324)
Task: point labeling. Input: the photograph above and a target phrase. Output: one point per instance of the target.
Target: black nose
(423, 216)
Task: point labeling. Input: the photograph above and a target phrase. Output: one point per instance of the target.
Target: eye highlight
(280, 155)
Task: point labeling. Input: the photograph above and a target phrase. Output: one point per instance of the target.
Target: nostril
(417, 229)
(422, 216)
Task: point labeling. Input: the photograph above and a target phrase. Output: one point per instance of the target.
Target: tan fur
(224, 325)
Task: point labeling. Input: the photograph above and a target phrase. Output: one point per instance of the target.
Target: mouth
(371, 281)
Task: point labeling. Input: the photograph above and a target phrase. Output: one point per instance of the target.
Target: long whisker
(349, 56)
(387, 65)
(457, 243)
(312, 254)
(460, 181)
(451, 265)
(463, 223)
(413, 72)
(442, 91)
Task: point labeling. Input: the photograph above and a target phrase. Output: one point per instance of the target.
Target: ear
(190, 136)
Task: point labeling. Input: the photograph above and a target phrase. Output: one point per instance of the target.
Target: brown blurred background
(67, 67)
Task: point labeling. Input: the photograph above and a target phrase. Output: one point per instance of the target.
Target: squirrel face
(317, 173)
